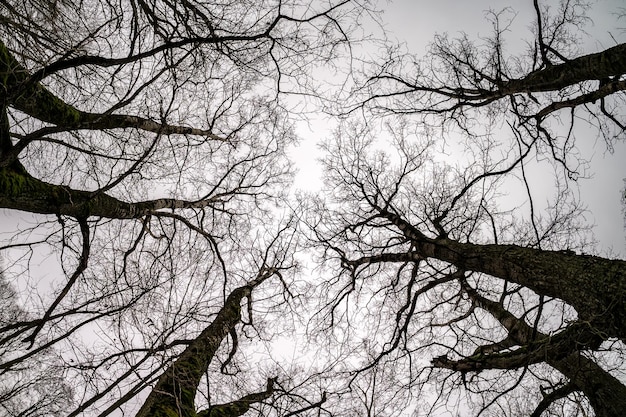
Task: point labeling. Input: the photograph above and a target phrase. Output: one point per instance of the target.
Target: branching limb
(82, 266)
(20, 191)
(553, 396)
(176, 389)
(240, 406)
(599, 94)
(39, 102)
(317, 404)
(233, 350)
(562, 351)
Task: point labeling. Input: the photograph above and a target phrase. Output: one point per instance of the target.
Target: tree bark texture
(601, 65)
(175, 391)
(34, 99)
(606, 394)
(20, 191)
(594, 286)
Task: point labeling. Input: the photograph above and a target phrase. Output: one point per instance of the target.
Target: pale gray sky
(416, 22)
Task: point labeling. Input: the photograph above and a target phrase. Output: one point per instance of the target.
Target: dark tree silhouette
(544, 93)
(466, 292)
(142, 158)
(420, 258)
(150, 267)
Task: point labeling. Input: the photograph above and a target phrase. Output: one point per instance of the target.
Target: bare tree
(545, 93)
(427, 268)
(432, 260)
(175, 390)
(143, 154)
(38, 389)
(143, 157)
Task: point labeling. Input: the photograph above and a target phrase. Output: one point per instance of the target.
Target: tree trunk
(175, 392)
(608, 63)
(20, 191)
(594, 286)
(606, 394)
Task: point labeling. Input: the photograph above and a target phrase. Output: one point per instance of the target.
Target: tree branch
(37, 101)
(20, 191)
(562, 351)
(241, 406)
(175, 391)
(82, 266)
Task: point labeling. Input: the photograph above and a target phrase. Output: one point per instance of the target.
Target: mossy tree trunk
(20, 190)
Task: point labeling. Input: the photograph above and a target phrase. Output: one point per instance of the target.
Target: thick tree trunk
(606, 394)
(602, 65)
(594, 286)
(175, 391)
(21, 191)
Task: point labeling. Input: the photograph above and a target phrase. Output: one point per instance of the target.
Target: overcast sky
(416, 22)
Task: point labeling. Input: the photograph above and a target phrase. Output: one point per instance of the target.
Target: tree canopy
(157, 263)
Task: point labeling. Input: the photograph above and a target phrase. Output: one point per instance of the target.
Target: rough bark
(34, 99)
(601, 65)
(175, 391)
(606, 394)
(594, 286)
(20, 191)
